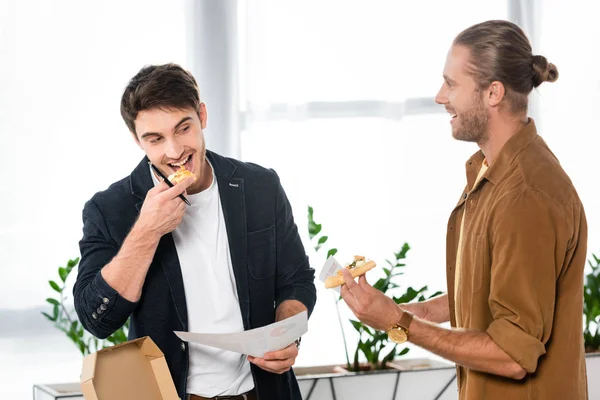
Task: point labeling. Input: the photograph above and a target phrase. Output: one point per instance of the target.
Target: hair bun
(543, 71)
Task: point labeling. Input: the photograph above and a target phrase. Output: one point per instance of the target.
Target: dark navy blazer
(269, 263)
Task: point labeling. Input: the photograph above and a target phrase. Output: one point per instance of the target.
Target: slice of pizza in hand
(180, 175)
(358, 267)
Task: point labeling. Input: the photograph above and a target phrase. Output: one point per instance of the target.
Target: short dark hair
(500, 51)
(165, 86)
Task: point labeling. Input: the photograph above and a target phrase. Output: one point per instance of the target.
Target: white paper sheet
(255, 342)
(330, 268)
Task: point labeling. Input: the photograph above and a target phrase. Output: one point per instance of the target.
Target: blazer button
(105, 300)
(182, 346)
(103, 307)
(99, 310)
(94, 315)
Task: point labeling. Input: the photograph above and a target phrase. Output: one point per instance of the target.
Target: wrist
(144, 232)
(397, 316)
(399, 332)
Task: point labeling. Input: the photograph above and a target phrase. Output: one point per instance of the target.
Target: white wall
(64, 66)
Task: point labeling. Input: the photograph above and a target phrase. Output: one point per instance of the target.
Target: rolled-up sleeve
(295, 278)
(529, 239)
(99, 307)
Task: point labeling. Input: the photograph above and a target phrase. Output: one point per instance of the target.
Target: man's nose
(441, 97)
(173, 150)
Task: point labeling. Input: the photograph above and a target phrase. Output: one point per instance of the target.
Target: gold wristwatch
(399, 332)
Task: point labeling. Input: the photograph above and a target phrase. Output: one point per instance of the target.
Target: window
(337, 97)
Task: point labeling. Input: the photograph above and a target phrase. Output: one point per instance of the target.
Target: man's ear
(496, 93)
(203, 115)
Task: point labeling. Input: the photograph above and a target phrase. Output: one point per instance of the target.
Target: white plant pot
(408, 383)
(66, 391)
(592, 361)
(416, 378)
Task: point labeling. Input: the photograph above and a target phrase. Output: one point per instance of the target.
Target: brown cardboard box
(132, 370)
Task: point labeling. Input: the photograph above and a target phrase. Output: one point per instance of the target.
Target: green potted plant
(64, 318)
(374, 345)
(372, 362)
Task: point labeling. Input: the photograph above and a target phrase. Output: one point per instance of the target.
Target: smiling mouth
(183, 163)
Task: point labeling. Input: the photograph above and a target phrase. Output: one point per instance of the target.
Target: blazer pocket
(261, 253)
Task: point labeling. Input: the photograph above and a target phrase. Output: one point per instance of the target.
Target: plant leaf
(322, 239)
(82, 348)
(73, 262)
(357, 325)
(390, 356)
(331, 252)
(48, 316)
(55, 286)
(53, 301)
(381, 285)
(63, 273)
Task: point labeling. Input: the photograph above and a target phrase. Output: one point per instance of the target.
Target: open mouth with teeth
(185, 163)
(181, 170)
(453, 115)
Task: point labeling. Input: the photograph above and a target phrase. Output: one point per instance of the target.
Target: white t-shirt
(211, 296)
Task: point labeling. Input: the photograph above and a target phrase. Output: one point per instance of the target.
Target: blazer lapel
(166, 253)
(231, 192)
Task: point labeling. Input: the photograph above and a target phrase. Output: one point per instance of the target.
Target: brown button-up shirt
(521, 271)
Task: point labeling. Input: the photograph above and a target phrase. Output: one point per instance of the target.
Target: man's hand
(277, 362)
(163, 209)
(370, 306)
(281, 361)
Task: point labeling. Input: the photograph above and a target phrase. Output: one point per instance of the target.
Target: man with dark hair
(516, 242)
(231, 261)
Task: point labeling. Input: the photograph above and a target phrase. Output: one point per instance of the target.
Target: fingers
(289, 352)
(178, 189)
(362, 280)
(348, 297)
(276, 367)
(159, 188)
(348, 279)
(354, 288)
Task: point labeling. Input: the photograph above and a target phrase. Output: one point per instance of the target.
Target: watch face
(397, 335)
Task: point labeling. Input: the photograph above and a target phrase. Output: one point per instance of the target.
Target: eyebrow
(448, 79)
(183, 120)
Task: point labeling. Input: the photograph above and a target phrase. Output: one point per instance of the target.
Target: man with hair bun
(516, 240)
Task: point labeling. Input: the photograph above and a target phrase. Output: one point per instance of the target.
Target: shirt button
(182, 346)
(105, 300)
(103, 307)
(94, 315)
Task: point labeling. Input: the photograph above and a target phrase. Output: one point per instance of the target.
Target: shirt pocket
(261, 253)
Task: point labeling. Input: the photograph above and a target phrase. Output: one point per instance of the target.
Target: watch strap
(405, 320)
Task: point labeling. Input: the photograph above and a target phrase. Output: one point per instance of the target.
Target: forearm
(126, 272)
(435, 310)
(288, 309)
(471, 349)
